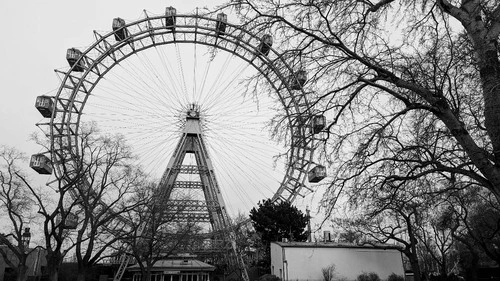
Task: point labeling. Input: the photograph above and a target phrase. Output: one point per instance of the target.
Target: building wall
(306, 263)
(35, 261)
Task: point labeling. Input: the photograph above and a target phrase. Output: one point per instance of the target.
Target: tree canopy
(410, 92)
(277, 220)
(409, 87)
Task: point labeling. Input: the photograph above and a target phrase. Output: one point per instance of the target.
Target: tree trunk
(146, 275)
(415, 267)
(53, 264)
(471, 271)
(82, 273)
(53, 273)
(485, 46)
(22, 273)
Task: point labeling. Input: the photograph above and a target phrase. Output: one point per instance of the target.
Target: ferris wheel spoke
(180, 67)
(145, 92)
(176, 94)
(125, 91)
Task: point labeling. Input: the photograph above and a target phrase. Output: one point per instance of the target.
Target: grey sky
(36, 35)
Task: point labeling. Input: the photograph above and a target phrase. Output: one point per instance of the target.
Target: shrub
(370, 276)
(328, 273)
(395, 277)
(269, 277)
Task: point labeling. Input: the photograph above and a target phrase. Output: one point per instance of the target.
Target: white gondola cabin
(41, 164)
(73, 57)
(265, 44)
(317, 174)
(220, 26)
(318, 123)
(45, 106)
(121, 32)
(298, 80)
(170, 15)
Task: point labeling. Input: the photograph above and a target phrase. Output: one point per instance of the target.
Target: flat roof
(178, 265)
(335, 245)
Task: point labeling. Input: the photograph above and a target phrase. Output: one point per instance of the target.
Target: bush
(395, 277)
(269, 277)
(371, 276)
(328, 273)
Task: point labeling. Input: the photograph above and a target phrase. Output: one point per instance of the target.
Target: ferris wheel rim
(300, 154)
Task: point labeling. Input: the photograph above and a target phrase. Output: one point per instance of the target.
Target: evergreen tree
(276, 220)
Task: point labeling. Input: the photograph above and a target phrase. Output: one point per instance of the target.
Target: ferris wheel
(140, 78)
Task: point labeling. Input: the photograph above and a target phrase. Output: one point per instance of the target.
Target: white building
(297, 261)
(176, 270)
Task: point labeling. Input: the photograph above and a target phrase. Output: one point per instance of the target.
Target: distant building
(176, 270)
(35, 262)
(301, 261)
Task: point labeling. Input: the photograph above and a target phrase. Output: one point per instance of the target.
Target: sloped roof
(178, 265)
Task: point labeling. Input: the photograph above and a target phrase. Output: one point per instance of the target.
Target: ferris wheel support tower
(211, 208)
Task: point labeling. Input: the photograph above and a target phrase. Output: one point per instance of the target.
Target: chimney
(326, 236)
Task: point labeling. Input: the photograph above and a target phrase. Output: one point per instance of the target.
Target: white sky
(36, 35)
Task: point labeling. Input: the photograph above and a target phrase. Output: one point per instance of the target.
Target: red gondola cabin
(73, 57)
(318, 123)
(220, 26)
(170, 17)
(265, 44)
(317, 174)
(41, 164)
(298, 80)
(45, 106)
(121, 32)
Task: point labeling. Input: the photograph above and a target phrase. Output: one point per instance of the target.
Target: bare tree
(55, 206)
(83, 207)
(410, 89)
(157, 234)
(437, 245)
(393, 215)
(110, 182)
(427, 77)
(16, 212)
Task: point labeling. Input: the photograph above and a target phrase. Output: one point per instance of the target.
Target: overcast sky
(36, 35)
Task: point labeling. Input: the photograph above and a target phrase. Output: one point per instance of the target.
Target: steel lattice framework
(107, 52)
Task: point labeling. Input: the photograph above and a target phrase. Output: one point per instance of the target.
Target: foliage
(328, 273)
(277, 220)
(395, 277)
(370, 276)
(269, 277)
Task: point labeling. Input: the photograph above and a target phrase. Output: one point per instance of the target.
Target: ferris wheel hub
(193, 111)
